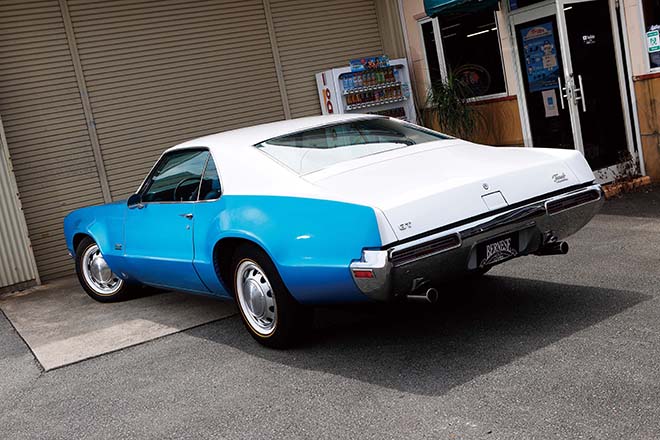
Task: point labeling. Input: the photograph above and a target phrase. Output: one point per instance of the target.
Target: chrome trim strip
(459, 243)
(517, 215)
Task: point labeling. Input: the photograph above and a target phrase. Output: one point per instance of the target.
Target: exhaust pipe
(429, 296)
(556, 248)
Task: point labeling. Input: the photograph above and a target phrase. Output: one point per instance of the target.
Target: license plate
(497, 250)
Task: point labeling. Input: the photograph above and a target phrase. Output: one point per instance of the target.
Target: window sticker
(540, 53)
(550, 103)
(653, 40)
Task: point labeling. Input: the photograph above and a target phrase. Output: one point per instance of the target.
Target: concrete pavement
(62, 325)
(545, 347)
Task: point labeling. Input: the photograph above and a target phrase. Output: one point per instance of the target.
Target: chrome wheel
(255, 296)
(98, 274)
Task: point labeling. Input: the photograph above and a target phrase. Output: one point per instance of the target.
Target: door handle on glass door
(581, 97)
(561, 92)
(188, 216)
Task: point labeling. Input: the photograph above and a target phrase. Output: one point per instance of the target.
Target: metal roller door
(17, 264)
(45, 126)
(161, 72)
(314, 35)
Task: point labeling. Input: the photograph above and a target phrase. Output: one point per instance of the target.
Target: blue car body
(158, 246)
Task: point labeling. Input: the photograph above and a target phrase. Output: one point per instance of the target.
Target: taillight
(560, 205)
(363, 273)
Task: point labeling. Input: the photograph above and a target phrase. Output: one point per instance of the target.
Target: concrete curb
(617, 188)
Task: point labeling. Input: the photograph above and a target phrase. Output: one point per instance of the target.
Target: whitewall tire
(95, 276)
(271, 315)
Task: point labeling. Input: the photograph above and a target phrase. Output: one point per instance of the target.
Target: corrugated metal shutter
(161, 72)
(16, 259)
(45, 126)
(314, 35)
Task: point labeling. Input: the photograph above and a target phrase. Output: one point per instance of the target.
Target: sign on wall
(653, 41)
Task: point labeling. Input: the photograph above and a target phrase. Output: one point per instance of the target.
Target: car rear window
(318, 148)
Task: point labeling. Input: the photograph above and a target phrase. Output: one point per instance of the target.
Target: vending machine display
(381, 88)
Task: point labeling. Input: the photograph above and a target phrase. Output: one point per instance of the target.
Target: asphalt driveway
(543, 347)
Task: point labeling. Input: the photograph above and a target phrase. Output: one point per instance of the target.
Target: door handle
(581, 97)
(561, 92)
(189, 216)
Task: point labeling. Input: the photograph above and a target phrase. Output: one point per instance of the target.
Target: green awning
(445, 7)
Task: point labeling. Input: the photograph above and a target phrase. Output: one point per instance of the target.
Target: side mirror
(135, 201)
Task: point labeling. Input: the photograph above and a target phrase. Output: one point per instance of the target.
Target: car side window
(176, 177)
(210, 188)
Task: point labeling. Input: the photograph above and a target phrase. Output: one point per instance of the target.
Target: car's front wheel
(271, 315)
(95, 276)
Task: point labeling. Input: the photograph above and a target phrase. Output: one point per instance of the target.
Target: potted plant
(448, 107)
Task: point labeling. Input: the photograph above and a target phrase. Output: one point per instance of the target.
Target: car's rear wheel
(271, 315)
(95, 276)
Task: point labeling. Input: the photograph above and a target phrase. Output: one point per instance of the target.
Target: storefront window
(652, 26)
(470, 52)
(430, 48)
(471, 47)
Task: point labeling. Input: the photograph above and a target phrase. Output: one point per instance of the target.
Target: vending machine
(374, 85)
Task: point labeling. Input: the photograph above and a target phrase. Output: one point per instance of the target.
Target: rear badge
(559, 178)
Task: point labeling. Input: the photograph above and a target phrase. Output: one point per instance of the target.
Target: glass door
(571, 74)
(595, 82)
(541, 61)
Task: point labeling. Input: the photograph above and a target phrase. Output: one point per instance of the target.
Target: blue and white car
(330, 209)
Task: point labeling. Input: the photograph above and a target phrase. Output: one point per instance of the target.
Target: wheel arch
(78, 237)
(307, 240)
(223, 252)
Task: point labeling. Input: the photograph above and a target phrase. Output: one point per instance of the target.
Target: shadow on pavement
(429, 350)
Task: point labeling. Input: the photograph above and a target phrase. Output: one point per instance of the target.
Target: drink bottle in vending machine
(377, 87)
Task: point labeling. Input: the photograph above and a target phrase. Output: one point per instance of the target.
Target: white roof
(249, 171)
(259, 133)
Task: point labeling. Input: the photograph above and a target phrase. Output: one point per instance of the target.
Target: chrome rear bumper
(385, 274)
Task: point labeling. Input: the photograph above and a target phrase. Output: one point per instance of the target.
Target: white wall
(636, 36)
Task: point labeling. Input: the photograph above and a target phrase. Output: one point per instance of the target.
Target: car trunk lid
(427, 186)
